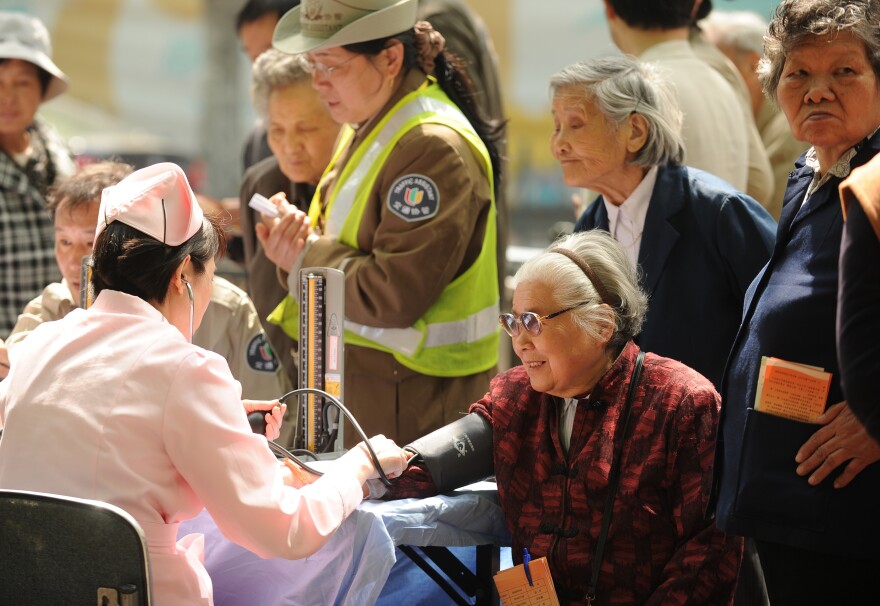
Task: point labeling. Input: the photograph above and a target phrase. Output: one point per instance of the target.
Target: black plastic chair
(63, 550)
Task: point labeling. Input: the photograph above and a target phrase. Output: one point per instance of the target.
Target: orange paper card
(514, 589)
(791, 390)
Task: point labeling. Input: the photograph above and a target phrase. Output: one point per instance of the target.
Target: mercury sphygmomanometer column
(321, 357)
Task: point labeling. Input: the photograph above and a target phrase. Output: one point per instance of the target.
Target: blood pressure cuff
(458, 454)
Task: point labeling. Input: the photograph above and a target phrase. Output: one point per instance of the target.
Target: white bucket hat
(26, 38)
(317, 24)
(156, 200)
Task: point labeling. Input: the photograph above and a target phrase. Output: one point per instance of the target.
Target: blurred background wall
(166, 79)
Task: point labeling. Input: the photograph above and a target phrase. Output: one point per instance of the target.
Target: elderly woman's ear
(638, 133)
(606, 323)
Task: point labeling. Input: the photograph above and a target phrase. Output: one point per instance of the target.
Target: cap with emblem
(156, 200)
(317, 24)
(26, 38)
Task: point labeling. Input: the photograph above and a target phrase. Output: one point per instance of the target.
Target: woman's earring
(189, 291)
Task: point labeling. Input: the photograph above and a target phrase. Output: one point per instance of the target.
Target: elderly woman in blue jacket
(816, 531)
(697, 241)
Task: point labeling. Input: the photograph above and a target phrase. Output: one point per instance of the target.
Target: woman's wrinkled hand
(284, 238)
(274, 414)
(842, 440)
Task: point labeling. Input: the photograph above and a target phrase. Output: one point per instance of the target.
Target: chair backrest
(63, 550)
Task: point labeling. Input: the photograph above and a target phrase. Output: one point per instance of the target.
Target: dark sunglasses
(530, 320)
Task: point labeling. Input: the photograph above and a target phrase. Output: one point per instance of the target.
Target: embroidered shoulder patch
(259, 354)
(414, 198)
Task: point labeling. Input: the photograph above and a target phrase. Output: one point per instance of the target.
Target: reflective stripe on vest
(347, 192)
(407, 341)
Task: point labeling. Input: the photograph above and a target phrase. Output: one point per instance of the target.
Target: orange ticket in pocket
(515, 588)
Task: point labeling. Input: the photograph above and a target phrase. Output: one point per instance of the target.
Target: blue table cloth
(354, 564)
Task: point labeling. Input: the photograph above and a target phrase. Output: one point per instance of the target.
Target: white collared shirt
(634, 209)
(566, 421)
(840, 169)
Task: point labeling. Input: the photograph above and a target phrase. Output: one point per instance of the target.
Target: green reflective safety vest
(458, 335)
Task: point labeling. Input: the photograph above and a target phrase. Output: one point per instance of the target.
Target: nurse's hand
(392, 457)
(294, 475)
(274, 414)
(842, 440)
(358, 459)
(284, 238)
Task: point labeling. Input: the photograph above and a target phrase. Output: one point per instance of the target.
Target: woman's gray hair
(570, 285)
(272, 70)
(621, 86)
(796, 21)
(742, 31)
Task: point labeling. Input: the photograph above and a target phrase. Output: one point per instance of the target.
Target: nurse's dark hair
(452, 78)
(130, 261)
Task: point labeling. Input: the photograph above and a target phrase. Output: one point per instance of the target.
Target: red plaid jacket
(660, 549)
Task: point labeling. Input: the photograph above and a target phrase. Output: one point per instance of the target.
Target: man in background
(717, 126)
(255, 24)
(740, 36)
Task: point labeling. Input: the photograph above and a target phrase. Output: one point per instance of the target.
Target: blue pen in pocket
(526, 559)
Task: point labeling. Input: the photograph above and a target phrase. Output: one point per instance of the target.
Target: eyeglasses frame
(326, 71)
(518, 319)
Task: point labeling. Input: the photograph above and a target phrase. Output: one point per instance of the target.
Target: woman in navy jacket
(816, 531)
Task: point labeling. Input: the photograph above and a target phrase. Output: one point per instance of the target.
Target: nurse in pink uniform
(114, 403)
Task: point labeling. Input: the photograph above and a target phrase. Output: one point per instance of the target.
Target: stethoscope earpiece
(189, 291)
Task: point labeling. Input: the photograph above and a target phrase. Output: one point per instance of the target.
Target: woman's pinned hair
(429, 44)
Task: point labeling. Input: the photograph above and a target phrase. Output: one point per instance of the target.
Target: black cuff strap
(458, 454)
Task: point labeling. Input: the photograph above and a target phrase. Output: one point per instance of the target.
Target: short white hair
(621, 86)
(742, 31)
(571, 286)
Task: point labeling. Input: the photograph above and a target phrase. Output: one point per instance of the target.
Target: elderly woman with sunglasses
(563, 424)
